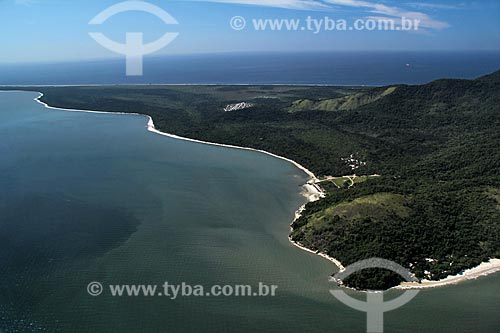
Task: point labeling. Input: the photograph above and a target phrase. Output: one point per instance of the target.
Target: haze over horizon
(38, 37)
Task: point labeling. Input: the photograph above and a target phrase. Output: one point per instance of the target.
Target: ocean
(327, 68)
(97, 198)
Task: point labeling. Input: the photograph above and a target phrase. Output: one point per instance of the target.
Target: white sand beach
(483, 269)
(298, 214)
(151, 128)
(313, 192)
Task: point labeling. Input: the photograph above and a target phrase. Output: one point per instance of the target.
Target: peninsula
(423, 164)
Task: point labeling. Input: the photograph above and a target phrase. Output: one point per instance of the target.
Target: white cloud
(287, 4)
(390, 11)
(425, 5)
(369, 7)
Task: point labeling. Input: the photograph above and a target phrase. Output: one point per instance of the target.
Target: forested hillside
(435, 209)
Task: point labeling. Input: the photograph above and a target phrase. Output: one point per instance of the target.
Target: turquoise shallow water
(95, 197)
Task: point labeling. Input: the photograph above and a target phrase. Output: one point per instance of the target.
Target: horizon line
(173, 55)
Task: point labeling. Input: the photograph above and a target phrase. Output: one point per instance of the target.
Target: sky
(58, 30)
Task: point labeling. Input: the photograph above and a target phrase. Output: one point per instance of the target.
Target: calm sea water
(95, 197)
(337, 68)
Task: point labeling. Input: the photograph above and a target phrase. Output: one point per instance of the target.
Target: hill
(435, 208)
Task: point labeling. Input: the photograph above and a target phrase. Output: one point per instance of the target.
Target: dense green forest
(436, 147)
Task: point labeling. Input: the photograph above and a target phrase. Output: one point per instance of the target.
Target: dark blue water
(340, 68)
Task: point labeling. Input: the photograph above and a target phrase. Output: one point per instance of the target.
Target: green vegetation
(436, 147)
(349, 102)
(494, 193)
(344, 181)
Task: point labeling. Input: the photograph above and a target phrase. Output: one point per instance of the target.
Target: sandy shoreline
(151, 128)
(298, 214)
(313, 194)
(323, 255)
(485, 268)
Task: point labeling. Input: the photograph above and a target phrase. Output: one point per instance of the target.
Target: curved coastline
(483, 269)
(151, 128)
(298, 214)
